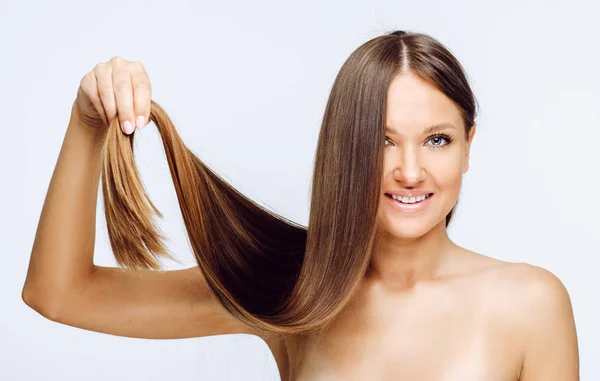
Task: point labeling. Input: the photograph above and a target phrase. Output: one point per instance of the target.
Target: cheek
(447, 178)
(447, 172)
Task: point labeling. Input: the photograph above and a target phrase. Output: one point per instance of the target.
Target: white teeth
(410, 200)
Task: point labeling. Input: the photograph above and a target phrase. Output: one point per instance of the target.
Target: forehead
(414, 103)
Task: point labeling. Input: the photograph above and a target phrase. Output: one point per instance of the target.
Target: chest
(433, 337)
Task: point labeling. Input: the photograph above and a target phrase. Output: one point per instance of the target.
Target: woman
(373, 289)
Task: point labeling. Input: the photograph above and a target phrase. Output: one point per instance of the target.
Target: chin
(407, 230)
(410, 228)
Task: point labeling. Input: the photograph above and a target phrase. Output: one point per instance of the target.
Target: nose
(408, 168)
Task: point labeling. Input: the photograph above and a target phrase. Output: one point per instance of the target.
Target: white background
(246, 83)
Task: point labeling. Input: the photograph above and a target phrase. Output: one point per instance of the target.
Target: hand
(115, 88)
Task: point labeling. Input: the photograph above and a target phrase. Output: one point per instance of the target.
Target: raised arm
(62, 282)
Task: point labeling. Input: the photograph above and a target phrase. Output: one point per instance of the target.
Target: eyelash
(448, 138)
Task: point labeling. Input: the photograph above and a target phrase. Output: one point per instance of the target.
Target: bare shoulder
(518, 292)
(529, 286)
(539, 298)
(517, 281)
(546, 324)
(533, 305)
(527, 290)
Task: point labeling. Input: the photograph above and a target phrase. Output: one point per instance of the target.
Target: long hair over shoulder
(272, 273)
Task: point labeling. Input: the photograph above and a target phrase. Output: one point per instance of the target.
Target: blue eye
(438, 140)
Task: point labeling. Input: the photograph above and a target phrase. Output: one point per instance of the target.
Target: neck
(400, 263)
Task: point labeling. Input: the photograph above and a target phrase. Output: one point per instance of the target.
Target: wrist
(93, 130)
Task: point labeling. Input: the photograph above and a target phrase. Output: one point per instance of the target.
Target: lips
(407, 193)
(415, 195)
(409, 208)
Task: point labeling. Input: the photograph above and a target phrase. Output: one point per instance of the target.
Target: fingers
(103, 73)
(142, 93)
(89, 87)
(123, 90)
(119, 88)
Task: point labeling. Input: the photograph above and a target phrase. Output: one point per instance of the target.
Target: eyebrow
(426, 130)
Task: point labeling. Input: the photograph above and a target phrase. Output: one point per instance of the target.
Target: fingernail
(128, 127)
(139, 122)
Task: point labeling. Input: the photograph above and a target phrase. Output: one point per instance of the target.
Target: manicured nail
(139, 122)
(128, 127)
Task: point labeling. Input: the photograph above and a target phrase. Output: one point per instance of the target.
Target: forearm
(62, 253)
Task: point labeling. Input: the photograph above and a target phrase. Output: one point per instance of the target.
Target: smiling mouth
(409, 200)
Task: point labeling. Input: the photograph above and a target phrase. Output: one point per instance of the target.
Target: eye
(438, 140)
(386, 140)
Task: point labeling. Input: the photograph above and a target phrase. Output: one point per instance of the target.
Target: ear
(468, 148)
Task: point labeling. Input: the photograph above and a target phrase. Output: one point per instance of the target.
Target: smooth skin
(429, 309)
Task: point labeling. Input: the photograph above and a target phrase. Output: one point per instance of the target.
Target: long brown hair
(268, 271)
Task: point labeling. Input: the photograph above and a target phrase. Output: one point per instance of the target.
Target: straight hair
(271, 273)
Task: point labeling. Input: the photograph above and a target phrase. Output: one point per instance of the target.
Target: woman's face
(420, 162)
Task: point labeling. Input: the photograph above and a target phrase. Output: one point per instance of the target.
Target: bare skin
(474, 322)
(427, 310)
